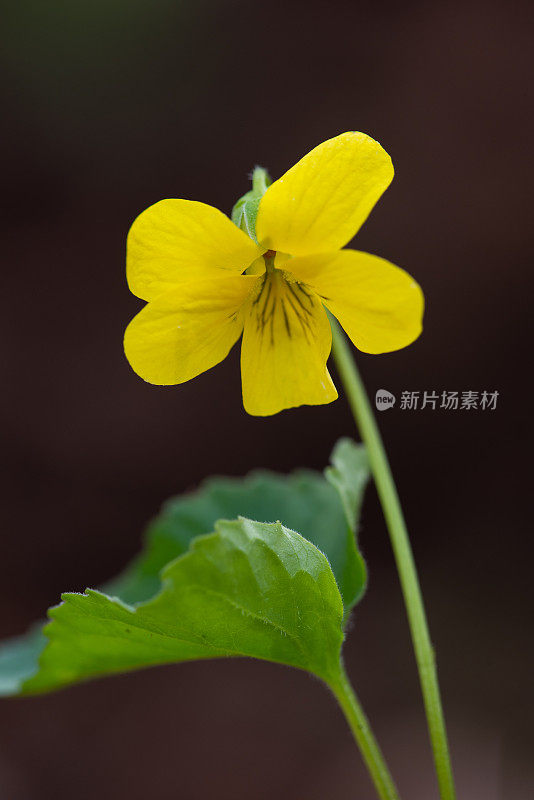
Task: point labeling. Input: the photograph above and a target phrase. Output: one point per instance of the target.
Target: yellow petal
(257, 267)
(187, 330)
(320, 203)
(286, 344)
(176, 241)
(378, 304)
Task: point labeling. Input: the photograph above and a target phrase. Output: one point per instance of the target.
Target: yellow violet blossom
(207, 282)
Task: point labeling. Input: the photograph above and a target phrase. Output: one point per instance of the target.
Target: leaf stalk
(361, 730)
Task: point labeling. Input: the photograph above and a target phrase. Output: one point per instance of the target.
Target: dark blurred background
(111, 105)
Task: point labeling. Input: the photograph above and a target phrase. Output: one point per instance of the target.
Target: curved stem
(406, 568)
(260, 181)
(359, 725)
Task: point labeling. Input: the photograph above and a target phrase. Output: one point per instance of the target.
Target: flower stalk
(406, 568)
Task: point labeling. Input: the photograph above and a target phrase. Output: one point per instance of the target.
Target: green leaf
(349, 474)
(303, 501)
(19, 659)
(324, 511)
(249, 589)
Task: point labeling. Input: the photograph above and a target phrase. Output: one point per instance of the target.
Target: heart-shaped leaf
(143, 616)
(303, 501)
(249, 589)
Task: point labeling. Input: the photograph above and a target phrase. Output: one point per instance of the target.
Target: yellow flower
(207, 282)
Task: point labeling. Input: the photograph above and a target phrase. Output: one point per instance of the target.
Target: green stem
(400, 542)
(260, 181)
(365, 740)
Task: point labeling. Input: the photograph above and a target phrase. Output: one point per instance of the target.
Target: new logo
(384, 400)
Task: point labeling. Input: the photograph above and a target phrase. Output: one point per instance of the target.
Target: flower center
(269, 257)
(282, 303)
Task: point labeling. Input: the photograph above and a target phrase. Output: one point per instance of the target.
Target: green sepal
(245, 211)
